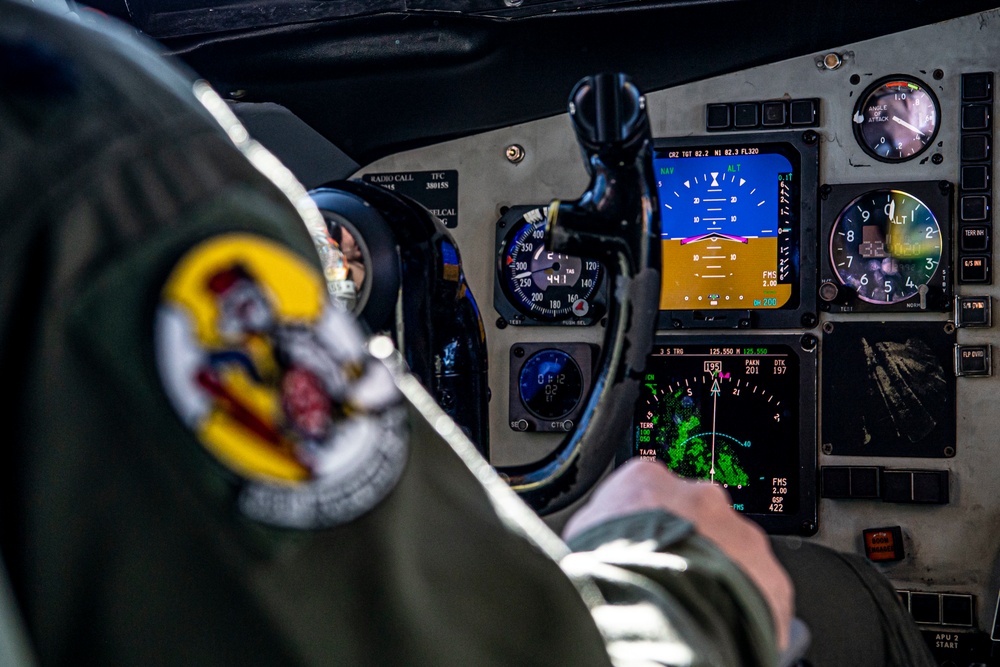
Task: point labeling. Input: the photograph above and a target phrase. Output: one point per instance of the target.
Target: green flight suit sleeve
(658, 593)
(671, 595)
(124, 538)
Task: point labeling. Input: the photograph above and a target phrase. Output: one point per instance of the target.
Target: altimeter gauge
(886, 247)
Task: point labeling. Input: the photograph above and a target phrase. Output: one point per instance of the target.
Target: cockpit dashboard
(825, 335)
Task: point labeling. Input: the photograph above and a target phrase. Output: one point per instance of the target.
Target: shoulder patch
(276, 384)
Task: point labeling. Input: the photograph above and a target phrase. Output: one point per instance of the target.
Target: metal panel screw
(832, 61)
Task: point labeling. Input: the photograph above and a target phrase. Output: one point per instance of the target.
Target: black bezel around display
(804, 521)
(804, 146)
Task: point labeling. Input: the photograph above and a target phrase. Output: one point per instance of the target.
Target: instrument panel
(833, 213)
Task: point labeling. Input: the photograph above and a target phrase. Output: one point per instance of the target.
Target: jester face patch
(276, 384)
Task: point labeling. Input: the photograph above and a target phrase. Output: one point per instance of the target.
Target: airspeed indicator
(543, 286)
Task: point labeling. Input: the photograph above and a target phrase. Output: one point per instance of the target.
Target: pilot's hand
(644, 485)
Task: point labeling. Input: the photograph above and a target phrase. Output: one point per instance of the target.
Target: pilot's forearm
(673, 592)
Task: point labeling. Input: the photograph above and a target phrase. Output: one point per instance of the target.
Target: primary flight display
(730, 236)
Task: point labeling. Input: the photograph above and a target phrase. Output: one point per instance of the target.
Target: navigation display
(734, 415)
(730, 226)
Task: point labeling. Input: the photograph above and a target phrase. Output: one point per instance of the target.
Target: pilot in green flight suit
(204, 466)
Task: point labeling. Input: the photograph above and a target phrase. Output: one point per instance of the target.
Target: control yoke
(615, 221)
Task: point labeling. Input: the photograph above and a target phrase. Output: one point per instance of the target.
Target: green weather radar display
(728, 415)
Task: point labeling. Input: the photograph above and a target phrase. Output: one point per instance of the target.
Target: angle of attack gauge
(535, 286)
(888, 249)
(896, 119)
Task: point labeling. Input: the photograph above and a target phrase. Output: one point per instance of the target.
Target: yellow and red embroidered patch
(276, 384)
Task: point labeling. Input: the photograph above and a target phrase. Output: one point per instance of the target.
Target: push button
(973, 361)
(975, 238)
(975, 147)
(897, 487)
(864, 482)
(975, 117)
(930, 486)
(925, 607)
(975, 177)
(975, 208)
(747, 115)
(802, 112)
(884, 545)
(956, 609)
(974, 269)
(973, 311)
(836, 482)
(977, 86)
(775, 114)
(719, 117)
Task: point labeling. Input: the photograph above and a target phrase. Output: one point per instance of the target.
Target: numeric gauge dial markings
(886, 246)
(544, 285)
(896, 119)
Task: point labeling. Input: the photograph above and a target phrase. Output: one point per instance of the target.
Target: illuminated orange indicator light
(884, 544)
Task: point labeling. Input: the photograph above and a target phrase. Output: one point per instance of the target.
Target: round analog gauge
(346, 263)
(896, 119)
(551, 384)
(886, 246)
(540, 283)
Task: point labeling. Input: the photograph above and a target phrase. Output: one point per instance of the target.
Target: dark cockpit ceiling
(377, 84)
